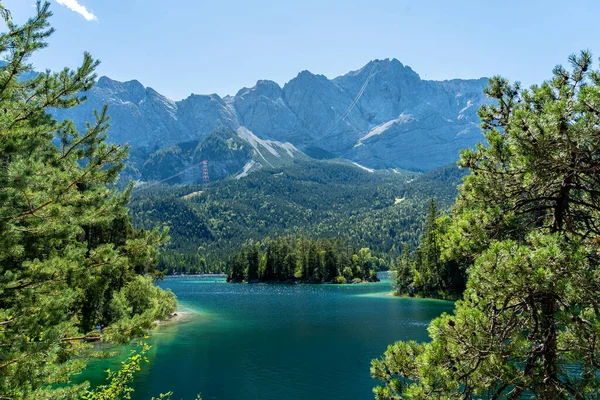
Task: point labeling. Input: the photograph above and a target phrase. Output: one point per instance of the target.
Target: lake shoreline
(305, 282)
(406, 296)
(178, 316)
(238, 333)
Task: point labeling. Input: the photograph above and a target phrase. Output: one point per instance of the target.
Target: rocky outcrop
(231, 153)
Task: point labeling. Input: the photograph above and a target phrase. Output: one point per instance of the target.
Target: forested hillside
(380, 210)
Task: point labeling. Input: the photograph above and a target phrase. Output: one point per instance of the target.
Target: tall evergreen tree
(253, 262)
(270, 263)
(69, 259)
(330, 261)
(304, 257)
(236, 268)
(314, 262)
(404, 272)
(526, 221)
(429, 274)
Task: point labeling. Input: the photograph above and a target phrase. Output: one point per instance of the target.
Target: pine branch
(30, 212)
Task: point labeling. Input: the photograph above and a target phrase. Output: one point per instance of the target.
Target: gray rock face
(139, 116)
(389, 89)
(263, 109)
(380, 116)
(146, 119)
(414, 124)
(326, 110)
(230, 154)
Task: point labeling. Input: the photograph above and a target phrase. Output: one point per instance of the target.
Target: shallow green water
(276, 341)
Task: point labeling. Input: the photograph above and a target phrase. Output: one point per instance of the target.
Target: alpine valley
(356, 157)
(301, 240)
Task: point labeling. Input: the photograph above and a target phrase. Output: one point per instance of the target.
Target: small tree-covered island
(510, 234)
(291, 260)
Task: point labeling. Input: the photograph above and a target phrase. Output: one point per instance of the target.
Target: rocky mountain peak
(265, 88)
(380, 116)
(390, 69)
(132, 90)
(307, 77)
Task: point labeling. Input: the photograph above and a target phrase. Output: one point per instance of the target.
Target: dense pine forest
(318, 199)
(290, 259)
(424, 272)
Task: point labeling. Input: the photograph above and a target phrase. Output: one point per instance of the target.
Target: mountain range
(380, 116)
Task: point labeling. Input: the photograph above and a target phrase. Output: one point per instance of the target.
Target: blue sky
(180, 47)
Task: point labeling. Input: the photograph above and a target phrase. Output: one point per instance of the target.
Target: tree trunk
(548, 307)
(548, 349)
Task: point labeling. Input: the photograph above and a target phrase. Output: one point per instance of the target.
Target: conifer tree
(236, 268)
(253, 262)
(404, 272)
(330, 261)
(270, 263)
(428, 274)
(526, 223)
(72, 268)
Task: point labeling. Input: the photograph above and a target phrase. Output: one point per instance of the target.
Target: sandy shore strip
(179, 316)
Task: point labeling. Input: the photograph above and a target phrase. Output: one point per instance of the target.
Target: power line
(352, 105)
(344, 115)
(166, 179)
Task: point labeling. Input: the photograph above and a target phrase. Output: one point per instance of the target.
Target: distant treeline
(291, 259)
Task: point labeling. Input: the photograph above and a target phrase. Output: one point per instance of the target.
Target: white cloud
(78, 8)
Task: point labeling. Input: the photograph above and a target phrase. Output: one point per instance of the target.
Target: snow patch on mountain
(379, 129)
(255, 141)
(378, 116)
(469, 105)
(363, 167)
(249, 165)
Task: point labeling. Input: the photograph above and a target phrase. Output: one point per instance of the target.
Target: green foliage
(426, 272)
(291, 259)
(70, 259)
(119, 382)
(526, 226)
(326, 199)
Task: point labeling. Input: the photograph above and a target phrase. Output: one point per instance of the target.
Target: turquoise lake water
(309, 342)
